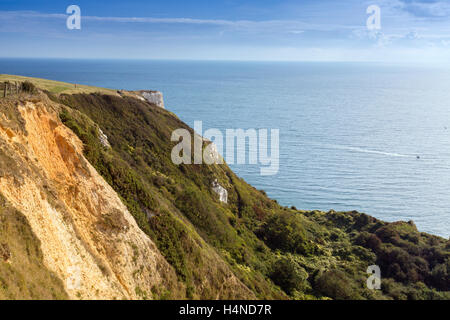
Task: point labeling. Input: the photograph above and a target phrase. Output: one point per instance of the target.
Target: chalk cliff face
(88, 238)
(221, 191)
(155, 97)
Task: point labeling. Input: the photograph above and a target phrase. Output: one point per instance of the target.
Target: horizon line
(227, 60)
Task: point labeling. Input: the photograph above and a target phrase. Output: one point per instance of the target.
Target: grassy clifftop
(251, 246)
(56, 87)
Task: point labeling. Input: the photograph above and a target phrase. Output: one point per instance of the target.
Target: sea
(370, 137)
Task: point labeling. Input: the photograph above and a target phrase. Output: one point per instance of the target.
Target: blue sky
(303, 30)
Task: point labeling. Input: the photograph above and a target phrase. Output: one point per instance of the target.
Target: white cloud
(247, 24)
(296, 31)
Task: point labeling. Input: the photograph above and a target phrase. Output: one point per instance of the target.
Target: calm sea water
(350, 134)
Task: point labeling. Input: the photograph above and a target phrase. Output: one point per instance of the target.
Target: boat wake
(362, 150)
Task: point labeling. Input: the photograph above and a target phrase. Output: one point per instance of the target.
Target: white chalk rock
(154, 97)
(221, 191)
(103, 139)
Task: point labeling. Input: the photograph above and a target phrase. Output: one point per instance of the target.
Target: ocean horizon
(370, 137)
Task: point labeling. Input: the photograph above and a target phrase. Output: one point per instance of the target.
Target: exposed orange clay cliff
(88, 237)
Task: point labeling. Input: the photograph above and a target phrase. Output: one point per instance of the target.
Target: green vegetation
(275, 251)
(336, 284)
(173, 205)
(28, 87)
(288, 275)
(285, 232)
(408, 259)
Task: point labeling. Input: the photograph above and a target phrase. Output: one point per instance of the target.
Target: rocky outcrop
(155, 97)
(151, 96)
(211, 154)
(221, 191)
(103, 139)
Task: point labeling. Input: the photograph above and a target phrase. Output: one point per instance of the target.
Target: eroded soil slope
(87, 237)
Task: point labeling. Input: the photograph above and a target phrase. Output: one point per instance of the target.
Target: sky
(276, 30)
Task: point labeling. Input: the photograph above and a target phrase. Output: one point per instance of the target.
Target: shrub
(440, 276)
(193, 205)
(168, 233)
(393, 289)
(285, 232)
(388, 234)
(335, 284)
(287, 274)
(368, 240)
(27, 86)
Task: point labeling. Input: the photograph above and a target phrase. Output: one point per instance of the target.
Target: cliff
(154, 97)
(91, 206)
(85, 232)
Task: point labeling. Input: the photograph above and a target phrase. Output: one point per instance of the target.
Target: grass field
(57, 87)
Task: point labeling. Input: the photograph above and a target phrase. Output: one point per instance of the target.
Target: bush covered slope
(276, 252)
